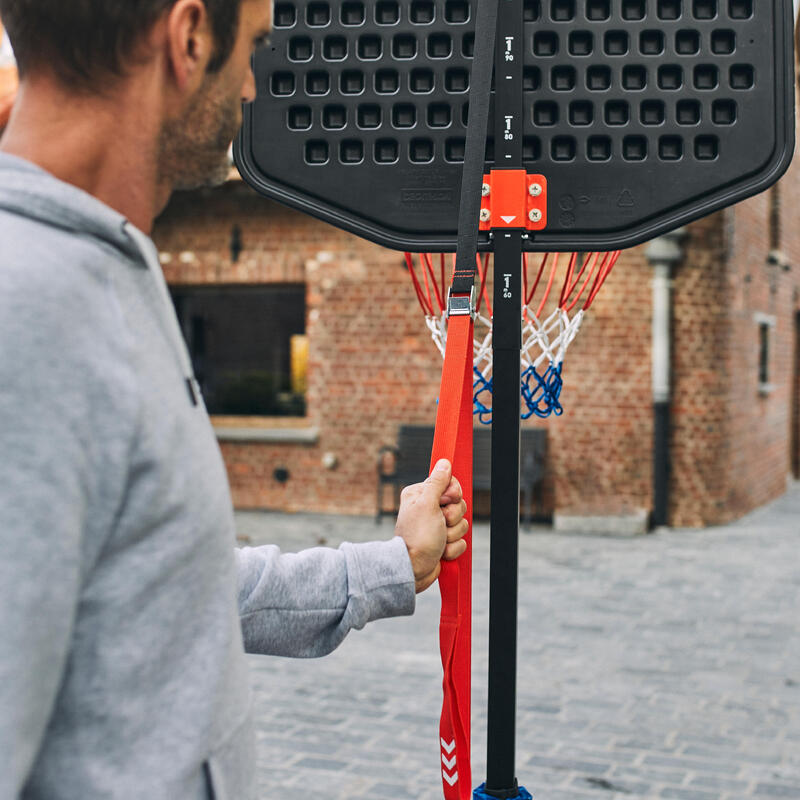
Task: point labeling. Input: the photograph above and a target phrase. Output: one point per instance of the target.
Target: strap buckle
(460, 305)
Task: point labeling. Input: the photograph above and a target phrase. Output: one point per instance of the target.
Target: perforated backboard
(642, 114)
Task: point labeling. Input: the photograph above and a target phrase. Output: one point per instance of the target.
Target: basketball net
(550, 321)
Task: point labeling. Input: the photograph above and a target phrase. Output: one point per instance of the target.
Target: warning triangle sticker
(508, 220)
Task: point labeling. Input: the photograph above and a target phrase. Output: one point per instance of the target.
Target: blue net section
(540, 393)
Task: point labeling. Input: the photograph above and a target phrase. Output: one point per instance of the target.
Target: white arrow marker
(449, 763)
(508, 220)
(448, 748)
(450, 780)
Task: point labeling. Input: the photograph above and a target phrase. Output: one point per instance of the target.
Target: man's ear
(189, 42)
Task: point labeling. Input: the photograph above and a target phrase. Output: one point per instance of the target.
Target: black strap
(475, 148)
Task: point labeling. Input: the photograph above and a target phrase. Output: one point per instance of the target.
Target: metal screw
(535, 215)
(535, 189)
(485, 190)
(486, 215)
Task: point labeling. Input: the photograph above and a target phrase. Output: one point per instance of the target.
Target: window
(765, 322)
(248, 346)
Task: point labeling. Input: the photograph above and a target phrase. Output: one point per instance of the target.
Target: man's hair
(82, 41)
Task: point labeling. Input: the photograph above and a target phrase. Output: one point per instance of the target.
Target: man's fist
(431, 522)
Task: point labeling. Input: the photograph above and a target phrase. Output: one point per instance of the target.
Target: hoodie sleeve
(304, 604)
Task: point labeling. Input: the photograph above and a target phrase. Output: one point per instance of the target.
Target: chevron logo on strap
(451, 779)
(448, 747)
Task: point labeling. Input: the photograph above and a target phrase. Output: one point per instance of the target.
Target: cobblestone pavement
(665, 666)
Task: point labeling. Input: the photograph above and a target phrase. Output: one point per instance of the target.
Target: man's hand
(431, 521)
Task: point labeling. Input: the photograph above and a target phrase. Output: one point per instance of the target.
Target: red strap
(453, 441)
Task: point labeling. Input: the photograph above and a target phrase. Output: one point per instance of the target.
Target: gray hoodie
(125, 610)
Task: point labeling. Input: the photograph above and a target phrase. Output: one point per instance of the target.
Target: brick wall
(372, 366)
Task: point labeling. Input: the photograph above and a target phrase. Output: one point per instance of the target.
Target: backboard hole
(687, 112)
(598, 78)
(670, 77)
(634, 148)
(581, 113)
(651, 43)
(369, 116)
(301, 48)
(334, 48)
(723, 42)
(531, 79)
(387, 12)
(741, 9)
(489, 152)
(351, 82)
(668, 9)
(370, 48)
(687, 42)
(440, 45)
(454, 150)
(634, 78)
(706, 77)
(670, 148)
(468, 45)
(404, 116)
(456, 81)
(545, 113)
(421, 151)
(353, 13)
(705, 9)
(531, 148)
(351, 151)
(742, 76)
(563, 148)
(598, 10)
(285, 15)
(282, 84)
(334, 117)
(652, 112)
(404, 46)
(562, 79)
(318, 83)
(386, 151)
(316, 152)
(723, 112)
(598, 148)
(531, 10)
(439, 115)
(456, 12)
(421, 12)
(299, 118)
(615, 43)
(387, 81)
(706, 148)
(562, 10)
(421, 81)
(580, 43)
(617, 112)
(633, 9)
(545, 43)
(318, 15)
(465, 114)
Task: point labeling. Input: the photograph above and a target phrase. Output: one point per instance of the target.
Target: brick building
(735, 331)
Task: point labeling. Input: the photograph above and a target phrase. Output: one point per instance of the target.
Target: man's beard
(193, 150)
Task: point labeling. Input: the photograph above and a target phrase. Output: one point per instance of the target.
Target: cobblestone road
(666, 666)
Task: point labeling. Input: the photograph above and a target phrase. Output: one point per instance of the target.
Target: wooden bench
(408, 461)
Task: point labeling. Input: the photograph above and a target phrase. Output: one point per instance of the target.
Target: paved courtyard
(666, 666)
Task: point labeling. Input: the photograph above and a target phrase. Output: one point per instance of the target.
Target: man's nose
(249, 87)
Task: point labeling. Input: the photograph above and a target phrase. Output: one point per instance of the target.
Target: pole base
(517, 793)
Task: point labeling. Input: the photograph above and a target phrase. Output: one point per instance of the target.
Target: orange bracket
(513, 199)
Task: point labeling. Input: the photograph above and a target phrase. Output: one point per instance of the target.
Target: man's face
(194, 148)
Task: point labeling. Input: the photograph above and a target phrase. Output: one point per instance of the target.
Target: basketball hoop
(550, 322)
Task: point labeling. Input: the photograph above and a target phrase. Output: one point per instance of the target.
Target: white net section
(549, 322)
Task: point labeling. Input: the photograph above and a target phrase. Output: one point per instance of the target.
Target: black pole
(660, 463)
(501, 780)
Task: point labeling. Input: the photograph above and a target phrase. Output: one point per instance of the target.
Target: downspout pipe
(663, 254)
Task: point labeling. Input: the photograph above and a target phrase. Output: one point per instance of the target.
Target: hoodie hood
(30, 191)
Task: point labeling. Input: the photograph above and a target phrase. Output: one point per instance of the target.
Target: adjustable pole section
(500, 770)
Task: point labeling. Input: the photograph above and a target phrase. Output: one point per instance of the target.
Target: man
(124, 609)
